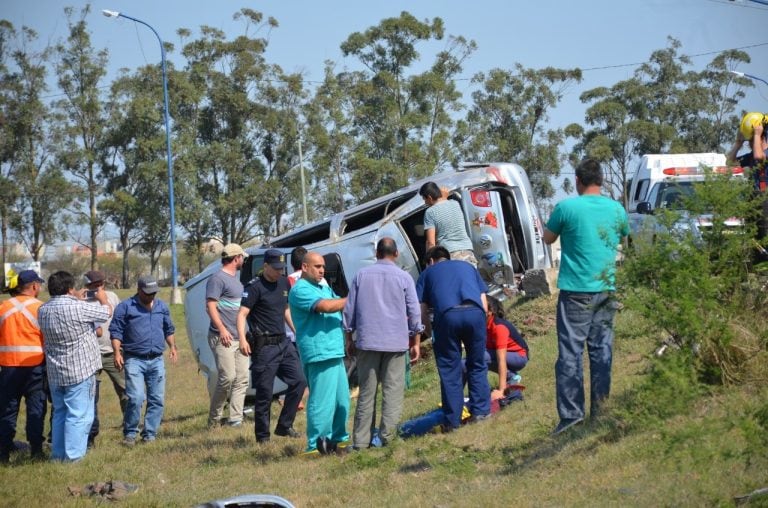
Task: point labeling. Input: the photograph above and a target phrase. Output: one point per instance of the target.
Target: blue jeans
(463, 325)
(72, 419)
(141, 374)
(515, 363)
(583, 317)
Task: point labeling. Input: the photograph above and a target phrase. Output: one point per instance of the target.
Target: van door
(496, 233)
(406, 258)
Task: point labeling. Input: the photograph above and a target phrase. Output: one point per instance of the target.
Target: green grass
(703, 450)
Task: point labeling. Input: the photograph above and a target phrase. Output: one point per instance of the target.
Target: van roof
(661, 161)
(471, 173)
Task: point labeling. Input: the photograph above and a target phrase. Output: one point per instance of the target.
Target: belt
(274, 339)
(148, 356)
(464, 306)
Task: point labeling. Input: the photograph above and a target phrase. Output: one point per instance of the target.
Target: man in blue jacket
(140, 329)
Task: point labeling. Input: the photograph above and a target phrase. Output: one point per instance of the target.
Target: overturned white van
(500, 215)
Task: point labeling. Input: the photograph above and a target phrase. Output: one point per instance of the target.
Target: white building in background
(109, 246)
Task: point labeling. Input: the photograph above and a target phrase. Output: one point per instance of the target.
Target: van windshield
(672, 195)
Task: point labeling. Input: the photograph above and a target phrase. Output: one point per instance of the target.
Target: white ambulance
(664, 181)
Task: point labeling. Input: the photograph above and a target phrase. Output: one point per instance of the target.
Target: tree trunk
(124, 274)
(4, 232)
(93, 219)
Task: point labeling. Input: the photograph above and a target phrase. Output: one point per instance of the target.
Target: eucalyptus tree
(136, 189)
(242, 131)
(279, 121)
(80, 69)
(331, 132)
(402, 118)
(663, 108)
(8, 145)
(193, 214)
(508, 121)
(34, 191)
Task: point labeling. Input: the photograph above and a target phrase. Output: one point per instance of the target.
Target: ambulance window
(642, 189)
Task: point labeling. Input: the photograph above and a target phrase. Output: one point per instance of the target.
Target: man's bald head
(313, 267)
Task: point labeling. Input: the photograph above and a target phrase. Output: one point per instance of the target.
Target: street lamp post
(175, 294)
(744, 75)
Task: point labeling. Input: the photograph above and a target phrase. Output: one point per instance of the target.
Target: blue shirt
(449, 283)
(319, 335)
(590, 229)
(142, 331)
(383, 308)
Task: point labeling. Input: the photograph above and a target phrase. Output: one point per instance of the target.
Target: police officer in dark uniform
(265, 307)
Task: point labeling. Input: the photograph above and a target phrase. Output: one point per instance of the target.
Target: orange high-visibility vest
(21, 341)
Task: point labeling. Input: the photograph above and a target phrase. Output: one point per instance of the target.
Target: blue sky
(602, 35)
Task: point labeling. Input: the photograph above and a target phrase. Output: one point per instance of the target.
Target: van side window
(642, 189)
(374, 214)
(315, 234)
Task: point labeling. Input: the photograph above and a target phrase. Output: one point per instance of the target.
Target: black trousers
(17, 383)
(276, 360)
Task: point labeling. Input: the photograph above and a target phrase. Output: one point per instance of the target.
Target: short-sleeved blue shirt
(267, 301)
(590, 229)
(449, 283)
(319, 335)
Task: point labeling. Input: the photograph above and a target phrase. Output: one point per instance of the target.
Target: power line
(733, 3)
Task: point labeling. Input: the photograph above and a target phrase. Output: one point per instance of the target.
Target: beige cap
(231, 250)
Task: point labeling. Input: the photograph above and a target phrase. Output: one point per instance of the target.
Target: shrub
(699, 286)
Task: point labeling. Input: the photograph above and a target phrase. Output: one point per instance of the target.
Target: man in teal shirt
(316, 314)
(591, 227)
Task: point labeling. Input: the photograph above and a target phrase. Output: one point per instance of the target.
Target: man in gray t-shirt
(223, 293)
(444, 224)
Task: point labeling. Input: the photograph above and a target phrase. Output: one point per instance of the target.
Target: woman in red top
(506, 350)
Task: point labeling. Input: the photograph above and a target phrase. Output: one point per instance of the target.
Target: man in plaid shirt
(68, 323)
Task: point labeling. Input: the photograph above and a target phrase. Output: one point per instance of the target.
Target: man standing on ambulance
(22, 365)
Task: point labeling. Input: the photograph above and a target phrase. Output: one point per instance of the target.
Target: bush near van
(500, 214)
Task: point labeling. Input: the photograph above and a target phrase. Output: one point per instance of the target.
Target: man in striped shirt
(68, 323)
(444, 224)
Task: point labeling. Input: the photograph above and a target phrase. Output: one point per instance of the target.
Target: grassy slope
(714, 452)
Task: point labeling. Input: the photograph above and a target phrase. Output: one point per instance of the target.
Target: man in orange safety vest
(22, 365)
